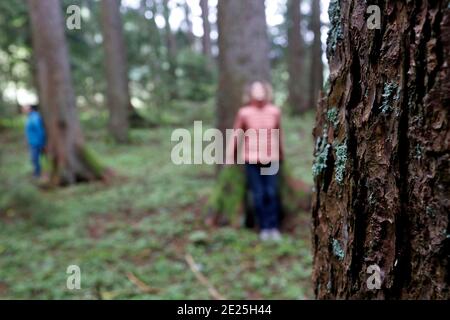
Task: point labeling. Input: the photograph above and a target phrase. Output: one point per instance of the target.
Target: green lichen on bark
(418, 152)
(390, 94)
(332, 116)
(335, 33)
(337, 250)
(321, 154)
(430, 211)
(340, 163)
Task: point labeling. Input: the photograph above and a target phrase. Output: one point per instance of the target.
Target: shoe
(275, 235)
(264, 235)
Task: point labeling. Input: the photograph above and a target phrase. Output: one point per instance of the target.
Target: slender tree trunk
(295, 58)
(71, 161)
(316, 73)
(153, 34)
(244, 54)
(382, 155)
(155, 37)
(170, 41)
(206, 40)
(189, 27)
(118, 94)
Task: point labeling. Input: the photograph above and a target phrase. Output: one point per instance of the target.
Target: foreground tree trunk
(71, 161)
(206, 40)
(382, 155)
(118, 95)
(295, 58)
(316, 73)
(243, 54)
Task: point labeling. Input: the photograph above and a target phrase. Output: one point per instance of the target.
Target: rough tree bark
(71, 161)
(118, 94)
(382, 154)
(243, 54)
(295, 57)
(206, 39)
(316, 73)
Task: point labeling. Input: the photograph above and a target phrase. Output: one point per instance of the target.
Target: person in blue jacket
(35, 134)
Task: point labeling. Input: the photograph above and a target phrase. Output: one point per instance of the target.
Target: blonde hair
(247, 96)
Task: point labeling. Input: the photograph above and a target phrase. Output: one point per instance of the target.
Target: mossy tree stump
(231, 202)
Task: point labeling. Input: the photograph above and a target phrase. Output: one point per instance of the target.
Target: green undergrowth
(142, 224)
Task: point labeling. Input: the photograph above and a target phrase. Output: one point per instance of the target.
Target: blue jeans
(264, 190)
(35, 153)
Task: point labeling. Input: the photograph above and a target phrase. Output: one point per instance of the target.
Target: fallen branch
(140, 284)
(202, 279)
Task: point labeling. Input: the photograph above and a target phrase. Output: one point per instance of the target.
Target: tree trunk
(382, 155)
(189, 27)
(206, 40)
(295, 58)
(118, 94)
(160, 77)
(243, 54)
(71, 161)
(170, 41)
(243, 58)
(316, 73)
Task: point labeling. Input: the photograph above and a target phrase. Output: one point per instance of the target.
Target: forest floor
(131, 237)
